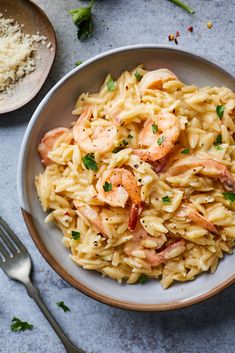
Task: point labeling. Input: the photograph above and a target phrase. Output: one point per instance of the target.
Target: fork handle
(34, 293)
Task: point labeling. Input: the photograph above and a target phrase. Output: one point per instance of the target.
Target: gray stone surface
(206, 327)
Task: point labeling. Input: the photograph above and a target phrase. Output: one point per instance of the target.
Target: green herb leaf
(166, 199)
(107, 186)
(111, 85)
(75, 235)
(218, 147)
(218, 140)
(82, 18)
(186, 151)
(161, 140)
(138, 76)
(142, 279)
(229, 196)
(89, 161)
(124, 142)
(184, 6)
(220, 109)
(63, 306)
(154, 128)
(79, 62)
(130, 136)
(18, 325)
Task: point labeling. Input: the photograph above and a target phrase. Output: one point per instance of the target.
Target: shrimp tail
(173, 250)
(135, 212)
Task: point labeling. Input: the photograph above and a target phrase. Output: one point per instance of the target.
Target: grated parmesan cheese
(16, 53)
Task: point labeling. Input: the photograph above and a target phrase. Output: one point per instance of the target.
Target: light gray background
(206, 327)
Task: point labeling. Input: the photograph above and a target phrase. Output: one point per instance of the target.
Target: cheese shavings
(16, 53)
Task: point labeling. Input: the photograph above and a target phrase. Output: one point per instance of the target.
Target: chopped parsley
(89, 161)
(138, 76)
(229, 196)
(111, 85)
(161, 139)
(130, 136)
(220, 109)
(218, 140)
(142, 279)
(186, 151)
(75, 235)
(82, 18)
(119, 148)
(107, 186)
(218, 147)
(79, 62)
(154, 128)
(18, 325)
(166, 199)
(63, 306)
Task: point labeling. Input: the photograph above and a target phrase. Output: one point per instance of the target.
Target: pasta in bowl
(142, 185)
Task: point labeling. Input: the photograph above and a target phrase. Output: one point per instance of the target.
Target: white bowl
(55, 110)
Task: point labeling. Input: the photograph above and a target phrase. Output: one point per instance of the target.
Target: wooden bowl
(34, 20)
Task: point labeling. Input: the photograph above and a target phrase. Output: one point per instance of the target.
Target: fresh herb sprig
(18, 325)
(82, 18)
(183, 6)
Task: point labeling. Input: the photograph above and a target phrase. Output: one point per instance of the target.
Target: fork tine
(4, 252)
(5, 237)
(11, 234)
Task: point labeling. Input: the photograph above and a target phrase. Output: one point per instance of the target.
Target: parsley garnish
(220, 111)
(111, 85)
(218, 140)
(130, 136)
(119, 148)
(166, 199)
(138, 76)
(89, 161)
(107, 186)
(142, 279)
(79, 62)
(18, 325)
(63, 306)
(75, 234)
(186, 151)
(154, 128)
(161, 140)
(229, 196)
(218, 147)
(82, 18)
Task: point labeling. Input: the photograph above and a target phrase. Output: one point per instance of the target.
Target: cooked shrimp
(91, 215)
(211, 168)
(123, 186)
(190, 212)
(139, 236)
(93, 139)
(47, 143)
(155, 79)
(159, 145)
(155, 259)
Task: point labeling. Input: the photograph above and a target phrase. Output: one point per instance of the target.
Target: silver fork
(17, 264)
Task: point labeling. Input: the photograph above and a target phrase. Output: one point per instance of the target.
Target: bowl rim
(29, 219)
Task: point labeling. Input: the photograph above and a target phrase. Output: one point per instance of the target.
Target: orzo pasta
(143, 183)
